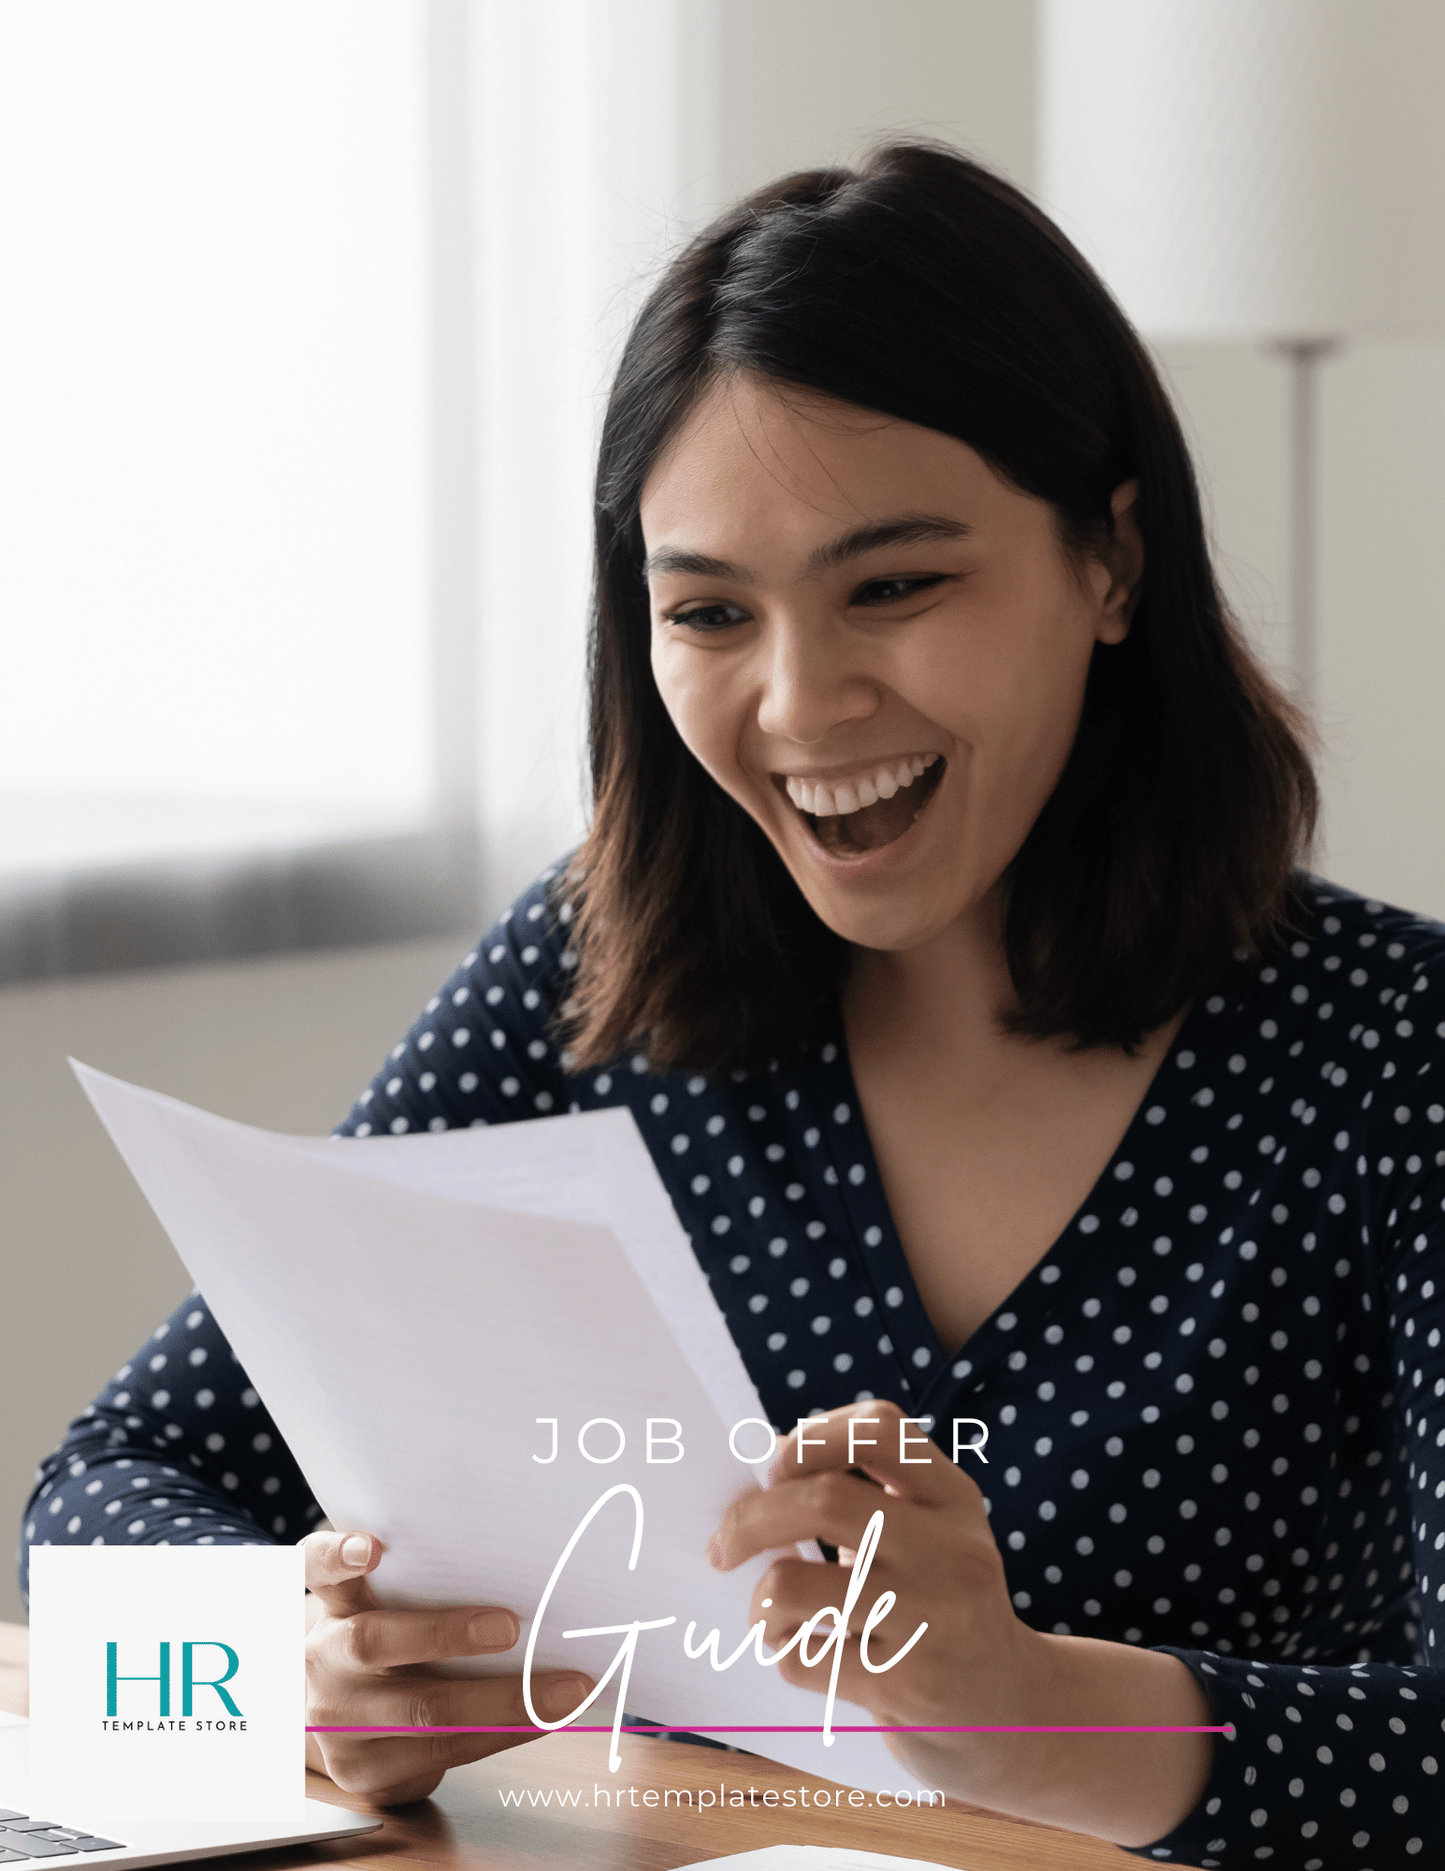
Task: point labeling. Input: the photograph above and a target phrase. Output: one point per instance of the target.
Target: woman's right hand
(367, 1668)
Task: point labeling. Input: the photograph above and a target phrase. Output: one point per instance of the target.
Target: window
(218, 366)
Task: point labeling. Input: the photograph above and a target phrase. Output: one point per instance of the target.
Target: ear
(1123, 559)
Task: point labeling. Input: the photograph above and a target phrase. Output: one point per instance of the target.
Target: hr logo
(152, 1725)
(190, 1682)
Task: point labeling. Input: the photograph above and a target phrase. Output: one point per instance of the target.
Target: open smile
(850, 813)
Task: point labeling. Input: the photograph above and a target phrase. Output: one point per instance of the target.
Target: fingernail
(560, 1698)
(493, 1630)
(715, 1552)
(356, 1550)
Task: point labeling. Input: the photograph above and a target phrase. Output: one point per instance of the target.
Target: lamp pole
(1303, 356)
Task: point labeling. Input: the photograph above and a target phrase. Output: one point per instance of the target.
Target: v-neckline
(1034, 1295)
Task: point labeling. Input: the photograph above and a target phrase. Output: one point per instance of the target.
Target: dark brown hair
(924, 287)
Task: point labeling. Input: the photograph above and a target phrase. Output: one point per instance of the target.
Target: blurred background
(309, 314)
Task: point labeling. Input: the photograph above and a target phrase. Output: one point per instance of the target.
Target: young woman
(941, 924)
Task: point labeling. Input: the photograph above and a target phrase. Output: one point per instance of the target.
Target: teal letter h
(164, 1679)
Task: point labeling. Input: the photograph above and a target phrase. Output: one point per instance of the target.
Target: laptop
(82, 1836)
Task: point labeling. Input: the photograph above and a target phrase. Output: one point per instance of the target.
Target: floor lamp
(1264, 173)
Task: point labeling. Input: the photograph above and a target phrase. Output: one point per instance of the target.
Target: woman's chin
(892, 919)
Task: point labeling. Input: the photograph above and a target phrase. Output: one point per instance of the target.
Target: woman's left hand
(977, 1663)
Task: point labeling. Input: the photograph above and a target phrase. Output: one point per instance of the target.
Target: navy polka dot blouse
(1216, 1405)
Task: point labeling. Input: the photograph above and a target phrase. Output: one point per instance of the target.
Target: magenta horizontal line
(681, 1728)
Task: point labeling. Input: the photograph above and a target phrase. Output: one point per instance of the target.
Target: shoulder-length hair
(926, 288)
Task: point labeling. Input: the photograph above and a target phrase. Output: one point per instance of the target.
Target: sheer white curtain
(310, 309)
(596, 149)
(213, 446)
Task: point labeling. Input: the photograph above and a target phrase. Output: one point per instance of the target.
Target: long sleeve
(1344, 1766)
(178, 1449)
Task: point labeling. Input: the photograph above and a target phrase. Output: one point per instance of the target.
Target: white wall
(806, 82)
(1383, 623)
(1382, 603)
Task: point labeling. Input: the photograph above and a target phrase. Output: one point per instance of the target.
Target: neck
(954, 986)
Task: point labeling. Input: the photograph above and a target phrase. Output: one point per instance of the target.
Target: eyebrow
(905, 529)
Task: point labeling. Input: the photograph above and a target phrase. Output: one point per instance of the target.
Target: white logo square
(167, 1682)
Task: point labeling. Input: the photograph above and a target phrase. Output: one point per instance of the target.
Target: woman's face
(873, 644)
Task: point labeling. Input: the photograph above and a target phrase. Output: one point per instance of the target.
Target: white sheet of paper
(409, 1306)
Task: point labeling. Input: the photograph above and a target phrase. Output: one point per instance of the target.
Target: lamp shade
(1251, 168)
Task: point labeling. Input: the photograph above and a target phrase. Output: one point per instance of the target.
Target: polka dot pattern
(1216, 1405)
(177, 1450)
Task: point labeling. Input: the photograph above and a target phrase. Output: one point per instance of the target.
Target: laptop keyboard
(22, 1838)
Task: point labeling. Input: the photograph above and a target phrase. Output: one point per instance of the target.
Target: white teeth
(824, 800)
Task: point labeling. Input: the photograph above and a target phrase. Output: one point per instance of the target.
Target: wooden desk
(466, 1826)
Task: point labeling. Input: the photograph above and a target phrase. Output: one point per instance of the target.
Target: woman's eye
(707, 617)
(896, 590)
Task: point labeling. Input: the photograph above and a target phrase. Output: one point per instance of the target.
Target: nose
(809, 684)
